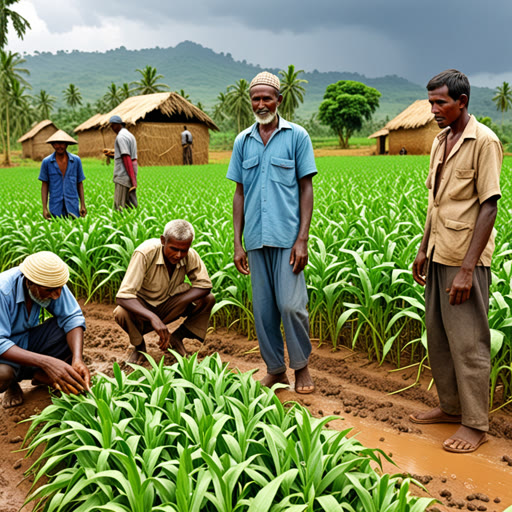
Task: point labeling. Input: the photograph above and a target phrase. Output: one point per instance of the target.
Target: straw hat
(45, 269)
(61, 136)
(266, 78)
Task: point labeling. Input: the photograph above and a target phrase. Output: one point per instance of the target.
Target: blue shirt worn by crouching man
(63, 189)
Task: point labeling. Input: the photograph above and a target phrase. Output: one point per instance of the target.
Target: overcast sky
(374, 37)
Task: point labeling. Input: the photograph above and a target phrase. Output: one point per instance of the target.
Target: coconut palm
(44, 103)
(292, 91)
(21, 110)
(125, 91)
(72, 96)
(238, 103)
(219, 109)
(10, 72)
(113, 96)
(7, 15)
(503, 99)
(148, 83)
(183, 94)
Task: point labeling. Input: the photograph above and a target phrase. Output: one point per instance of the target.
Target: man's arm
(128, 165)
(75, 339)
(419, 270)
(240, 257)
(80, 189)
(463, 281)
(44, 199)
(299, 253)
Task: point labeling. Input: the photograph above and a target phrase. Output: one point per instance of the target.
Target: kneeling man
(154, 292)
(49, 353)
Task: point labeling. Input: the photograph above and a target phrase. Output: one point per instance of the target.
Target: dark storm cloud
(471, 35)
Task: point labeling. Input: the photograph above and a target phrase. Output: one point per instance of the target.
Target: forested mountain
(203, 73)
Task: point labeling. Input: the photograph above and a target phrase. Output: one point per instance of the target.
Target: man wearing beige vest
(454, 261)
(154, 292)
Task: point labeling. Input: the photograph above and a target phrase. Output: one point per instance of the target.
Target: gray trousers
(279, 295)
(194, 326)
(123, 198)
(459, 344)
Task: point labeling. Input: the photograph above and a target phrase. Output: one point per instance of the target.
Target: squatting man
(154, 293)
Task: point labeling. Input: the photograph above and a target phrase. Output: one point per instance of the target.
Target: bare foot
(177, 344)
(465, 440)
(137, 357)
(13, 396)
(269, 380)
(435, 415)
(303, 382)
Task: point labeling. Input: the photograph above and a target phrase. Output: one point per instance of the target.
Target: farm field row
(367, 224)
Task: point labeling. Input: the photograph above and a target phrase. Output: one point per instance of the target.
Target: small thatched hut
(156, 121)
(382, 141)
(33, 143)
(413, 129)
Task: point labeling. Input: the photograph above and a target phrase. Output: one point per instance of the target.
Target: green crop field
(367, 224)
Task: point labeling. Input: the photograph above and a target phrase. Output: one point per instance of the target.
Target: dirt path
(348, 386)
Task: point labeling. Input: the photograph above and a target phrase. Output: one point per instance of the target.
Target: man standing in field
(154, 292)
(62, 177)
(49, 353)
(125, 165)
(454, 261)
(273, 166)
(186, 143)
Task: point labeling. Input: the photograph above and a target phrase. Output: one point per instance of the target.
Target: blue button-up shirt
(63, 189)
(270, 176)
(14, 319)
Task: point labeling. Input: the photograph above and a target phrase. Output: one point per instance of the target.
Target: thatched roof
(136, 108)
(379, 133)
(416, 115)
(35, 130)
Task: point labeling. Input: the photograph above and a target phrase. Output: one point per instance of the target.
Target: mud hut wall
(417, 141)
(36, 147)
(91, 143)
(160, 143)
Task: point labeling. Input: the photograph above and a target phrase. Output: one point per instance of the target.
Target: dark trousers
(187, 154)
(459, 344)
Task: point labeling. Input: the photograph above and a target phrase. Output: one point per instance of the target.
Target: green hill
(203, 73)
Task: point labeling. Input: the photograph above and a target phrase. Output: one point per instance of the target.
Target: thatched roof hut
(382, 139)
(156, 121)
(413, 129)
(33, 143)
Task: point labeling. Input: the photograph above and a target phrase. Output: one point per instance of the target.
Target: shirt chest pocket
(462, 186)
(282, 171)
(249, 167)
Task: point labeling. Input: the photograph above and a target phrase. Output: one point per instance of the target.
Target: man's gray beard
(42, 303)
(267, 119)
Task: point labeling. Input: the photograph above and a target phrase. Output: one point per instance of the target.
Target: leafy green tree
(346, 105)
(72, 96)
(503, 99)
(292, 91)
(238, 104)
(10, 72)
(148, 83)
(113, 96)
(19, 23)
(44, 104)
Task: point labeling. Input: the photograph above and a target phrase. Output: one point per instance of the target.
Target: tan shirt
(471, 176)
(147, 277)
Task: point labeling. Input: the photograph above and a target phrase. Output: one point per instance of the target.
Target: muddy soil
(348, 385)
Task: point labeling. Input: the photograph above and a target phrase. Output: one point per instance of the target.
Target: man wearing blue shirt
(49, 353)
(273, 166)
(61, 176)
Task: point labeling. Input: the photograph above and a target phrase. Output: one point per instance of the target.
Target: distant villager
(186, 142)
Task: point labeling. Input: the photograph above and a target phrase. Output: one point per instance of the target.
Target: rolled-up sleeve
(196, 272)
(67, 311)
(134, 277)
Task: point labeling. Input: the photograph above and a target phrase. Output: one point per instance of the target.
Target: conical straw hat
(61, 136)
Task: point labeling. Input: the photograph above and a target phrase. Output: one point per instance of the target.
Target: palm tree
(238, 103)
(10, 71)
(21, 110)
(44, 103)
(113, 96)
(219, 109)
(19, 23)
(72, 96)
(292, 91)
(125, 91)
(183, 94)
(503, 99)
(148, 83)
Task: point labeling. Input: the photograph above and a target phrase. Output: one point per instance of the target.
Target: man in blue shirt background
(273, 166)
(51, 352)
(61, 176)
